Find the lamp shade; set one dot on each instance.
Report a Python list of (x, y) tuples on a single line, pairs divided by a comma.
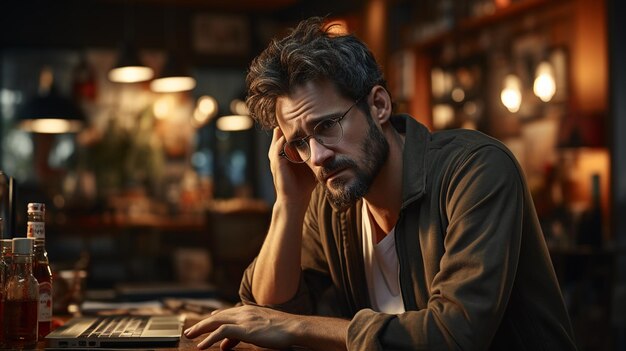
[(128, 68), (234, 123), (49, 112), (173, 78)]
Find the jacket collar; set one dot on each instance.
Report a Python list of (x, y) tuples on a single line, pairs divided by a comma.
[(416, 141)]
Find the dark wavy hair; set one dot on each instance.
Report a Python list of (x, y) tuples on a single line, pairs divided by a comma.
[(310, 52)]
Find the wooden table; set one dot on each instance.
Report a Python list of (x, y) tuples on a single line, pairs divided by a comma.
[(190, 344)]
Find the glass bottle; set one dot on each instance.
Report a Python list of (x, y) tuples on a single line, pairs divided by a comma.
[(6, 250), (591, 226), (41, 267), (6, 258), (21, 299)]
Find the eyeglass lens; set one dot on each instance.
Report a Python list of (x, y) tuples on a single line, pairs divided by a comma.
[(327, 132)]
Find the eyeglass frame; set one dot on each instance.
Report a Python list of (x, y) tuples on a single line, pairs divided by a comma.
[(305, 139)]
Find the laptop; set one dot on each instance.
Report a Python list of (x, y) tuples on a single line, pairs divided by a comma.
[(122, 331)]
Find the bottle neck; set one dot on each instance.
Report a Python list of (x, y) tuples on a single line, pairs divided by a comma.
[(40, 255), (36, 226), (22, 264)]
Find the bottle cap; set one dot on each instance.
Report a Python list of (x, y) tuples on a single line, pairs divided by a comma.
[(36, 207), (23, 246)]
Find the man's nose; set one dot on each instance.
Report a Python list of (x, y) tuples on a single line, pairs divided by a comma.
[(319, 152)]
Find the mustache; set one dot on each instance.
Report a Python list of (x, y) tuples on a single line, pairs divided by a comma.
[(333, 166)]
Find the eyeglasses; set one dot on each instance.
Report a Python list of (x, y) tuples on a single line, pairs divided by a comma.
[(326, 132)]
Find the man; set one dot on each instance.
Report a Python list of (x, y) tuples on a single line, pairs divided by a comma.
[(383, 235)]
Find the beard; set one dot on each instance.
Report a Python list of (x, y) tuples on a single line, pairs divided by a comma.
[(343, 193)]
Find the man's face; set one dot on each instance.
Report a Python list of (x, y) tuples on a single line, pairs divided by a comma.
[(348, 168)]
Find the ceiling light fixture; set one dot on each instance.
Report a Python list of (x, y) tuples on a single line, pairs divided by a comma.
[(544, 85), (48, 111), (128, 67), (240, 120), (173, 78), (511, 94)]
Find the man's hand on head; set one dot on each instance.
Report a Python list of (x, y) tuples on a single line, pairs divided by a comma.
[(294, 182)]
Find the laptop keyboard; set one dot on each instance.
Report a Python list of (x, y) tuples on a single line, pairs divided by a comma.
[(111, 327)]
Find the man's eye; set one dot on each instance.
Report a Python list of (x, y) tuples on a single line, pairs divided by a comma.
[(327, 124), (299, 144)]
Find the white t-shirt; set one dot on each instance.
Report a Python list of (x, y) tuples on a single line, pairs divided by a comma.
[(382, 270)]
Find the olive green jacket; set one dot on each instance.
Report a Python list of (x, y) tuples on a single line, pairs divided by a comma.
[(475, 272)]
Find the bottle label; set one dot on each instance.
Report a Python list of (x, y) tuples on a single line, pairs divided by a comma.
[(45, 302), (36, 230)]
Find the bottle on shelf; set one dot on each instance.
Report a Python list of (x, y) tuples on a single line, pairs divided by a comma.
[(36, 230), (21, 299), (591, 223)]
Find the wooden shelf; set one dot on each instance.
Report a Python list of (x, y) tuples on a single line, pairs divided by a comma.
[(468, 25)]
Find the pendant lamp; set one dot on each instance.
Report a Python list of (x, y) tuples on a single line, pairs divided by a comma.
[(48, 111), (544, 85), (173, 78), (240, 120), (511, 94), (128, 67)]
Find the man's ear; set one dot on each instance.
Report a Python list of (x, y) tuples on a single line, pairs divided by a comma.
[(380, 104)]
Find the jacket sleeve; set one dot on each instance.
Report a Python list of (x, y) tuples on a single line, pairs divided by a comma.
[(480, 210), (314, 295)]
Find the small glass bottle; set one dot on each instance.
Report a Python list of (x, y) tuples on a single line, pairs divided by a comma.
[(21, 299), (36, 229)]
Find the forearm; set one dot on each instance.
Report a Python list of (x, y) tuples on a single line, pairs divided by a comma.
[(277, 271), (321, 333)]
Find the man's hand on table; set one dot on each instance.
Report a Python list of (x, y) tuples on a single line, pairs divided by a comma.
[(268, 328)]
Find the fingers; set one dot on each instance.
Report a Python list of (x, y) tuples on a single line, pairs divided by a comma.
[(228, 344), (278, 139), (226, 332), (277, 134), (207, 325), (217, 330)]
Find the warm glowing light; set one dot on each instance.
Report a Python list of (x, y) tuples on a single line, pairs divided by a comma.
[(163, 107), (205, 110), (172, 84), (470, 108), (51, 125), (443, 115), (544, 86), (199, 118), (234, 123), (511, 94), (207, 105), (458, 94), (131, 74), (338, 27), (438, 84), (239, 107)]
